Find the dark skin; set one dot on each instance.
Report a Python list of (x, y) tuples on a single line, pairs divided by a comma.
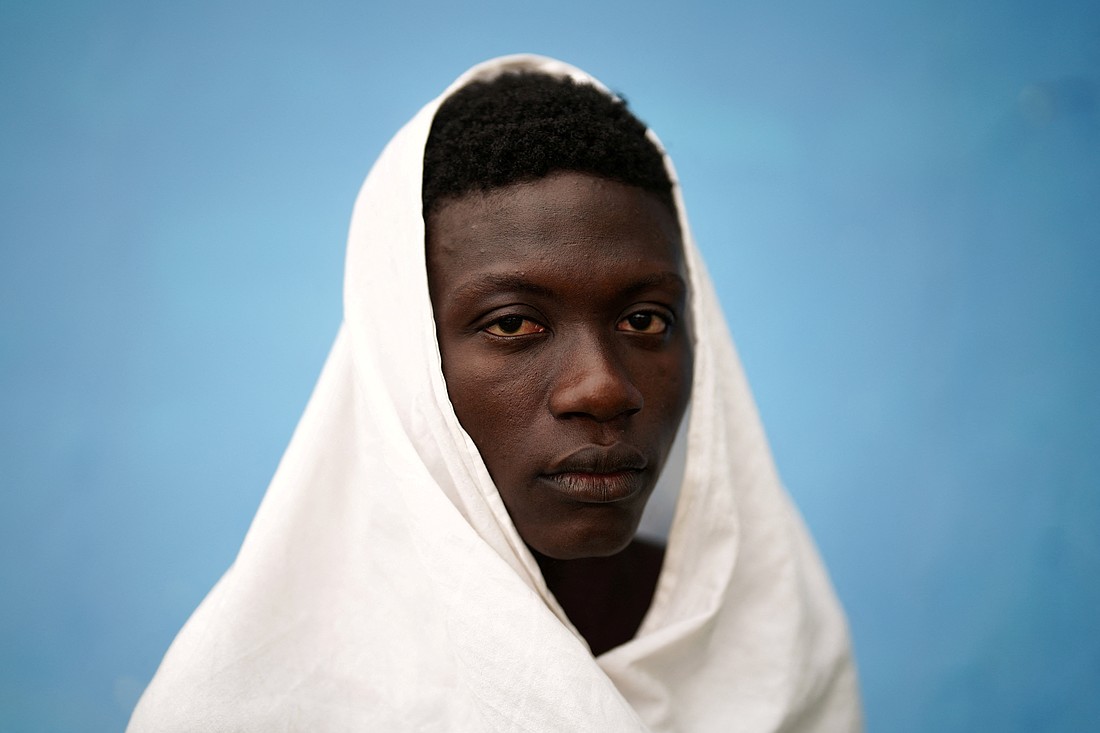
[(561, 316), (606, 598)]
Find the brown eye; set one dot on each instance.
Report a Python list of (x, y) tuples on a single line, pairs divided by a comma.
[(646, 322), (514, 326)]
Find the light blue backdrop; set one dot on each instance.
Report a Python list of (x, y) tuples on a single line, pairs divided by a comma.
[(898, 200)]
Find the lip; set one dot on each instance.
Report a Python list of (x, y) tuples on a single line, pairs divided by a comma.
[(598, 488), (599, 474)]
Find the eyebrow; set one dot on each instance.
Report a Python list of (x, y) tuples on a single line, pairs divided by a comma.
[(657, 280), (492, 283)]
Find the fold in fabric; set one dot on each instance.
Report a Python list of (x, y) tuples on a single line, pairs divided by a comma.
[(383, 587)]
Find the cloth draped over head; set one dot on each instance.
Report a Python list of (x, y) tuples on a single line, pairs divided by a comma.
[(383, 587)]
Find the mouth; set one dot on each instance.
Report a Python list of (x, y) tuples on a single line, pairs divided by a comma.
[(599, 475)]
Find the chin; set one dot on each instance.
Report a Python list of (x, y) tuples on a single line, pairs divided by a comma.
[(587, 537)]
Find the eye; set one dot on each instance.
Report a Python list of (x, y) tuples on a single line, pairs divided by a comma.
[(514, 326), (646, 322)]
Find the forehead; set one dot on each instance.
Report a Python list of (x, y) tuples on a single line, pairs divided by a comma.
[(567, 225)]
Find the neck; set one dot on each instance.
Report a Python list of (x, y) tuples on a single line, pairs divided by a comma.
[(606, 598)]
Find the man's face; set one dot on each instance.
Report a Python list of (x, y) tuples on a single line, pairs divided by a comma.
[(561, 312)]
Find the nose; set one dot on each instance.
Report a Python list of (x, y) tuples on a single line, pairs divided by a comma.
[(592, 382)]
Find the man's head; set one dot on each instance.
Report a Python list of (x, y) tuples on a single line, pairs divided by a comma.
[(557, 279)]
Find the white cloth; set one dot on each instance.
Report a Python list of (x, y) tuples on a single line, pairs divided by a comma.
[(382, 586)]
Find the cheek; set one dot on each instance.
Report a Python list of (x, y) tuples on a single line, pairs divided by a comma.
[(684, 378), (667, 387), (496, 400)]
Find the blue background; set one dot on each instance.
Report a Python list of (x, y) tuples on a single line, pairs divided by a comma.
[(898, 200)]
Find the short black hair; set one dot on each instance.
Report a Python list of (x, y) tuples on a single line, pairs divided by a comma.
[(524, 126)]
